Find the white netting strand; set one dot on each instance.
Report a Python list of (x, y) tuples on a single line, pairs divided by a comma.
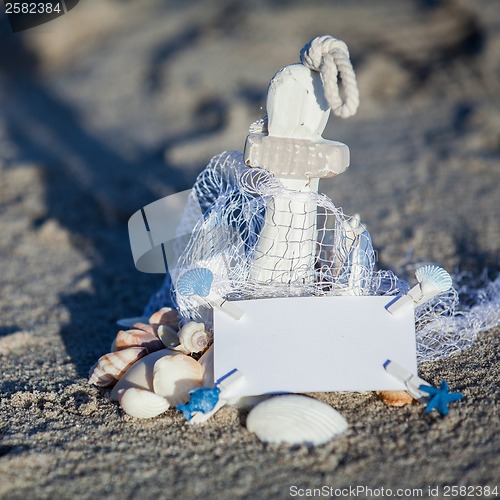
[(260, 239)]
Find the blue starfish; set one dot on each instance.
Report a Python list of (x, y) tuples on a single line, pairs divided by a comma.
[(201, 399), (439, 398)]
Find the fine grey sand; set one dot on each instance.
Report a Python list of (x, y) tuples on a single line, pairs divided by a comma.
[(117, 104)]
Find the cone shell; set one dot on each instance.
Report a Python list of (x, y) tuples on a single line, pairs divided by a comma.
[(175, 376), (137, 338), (294, 419), (433, 280), (140, 403), (195, 282), (111, 367), (165, 316), (192, 337), (141, 374)]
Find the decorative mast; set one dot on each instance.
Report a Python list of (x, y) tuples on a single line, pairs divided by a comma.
[(299, 100)]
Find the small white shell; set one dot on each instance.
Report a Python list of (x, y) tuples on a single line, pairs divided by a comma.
[(111, 367), (192, 338), (141, 374), (295, 419), (175, 376), (140, 403), (196, 281), (433, 280)]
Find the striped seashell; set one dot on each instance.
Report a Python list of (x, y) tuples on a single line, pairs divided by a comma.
[(192, 338), (141, 374), (165, 316), (137, 338), (295, 420), (195, 282), (433, 280), (175, 376), (140, 403), (111, 367)]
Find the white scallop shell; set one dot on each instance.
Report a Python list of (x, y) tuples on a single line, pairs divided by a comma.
[(196, 281), (295, 419), (192, 338), (175, 376), (433, 280), (113, 366), (141, 374), (140, 403)]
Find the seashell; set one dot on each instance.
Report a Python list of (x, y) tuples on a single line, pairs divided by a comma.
[(165, 316), (395, 398), (128, 322), (146, 327), (168, 336), (295, 419), (111, 367), (433, 280), (137, 338), (141, 374), (195, 282), (192, 338), (175, 376), (207, 364), (140, 403)]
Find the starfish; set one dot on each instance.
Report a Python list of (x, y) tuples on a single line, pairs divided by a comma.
[(439, 398), (201, 399)]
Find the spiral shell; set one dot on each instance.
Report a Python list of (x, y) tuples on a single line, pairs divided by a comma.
[(433, 280), (195, 282), (295, 420), (140, 403), (192, 338), (111, 367), (175, 376)]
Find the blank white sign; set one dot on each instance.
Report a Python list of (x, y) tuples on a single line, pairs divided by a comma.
[(314, 344)]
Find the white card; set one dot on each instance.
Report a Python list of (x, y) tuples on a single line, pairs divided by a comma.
[(314, 344)]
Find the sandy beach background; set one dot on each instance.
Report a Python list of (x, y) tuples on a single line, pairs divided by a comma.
[(117, 104)]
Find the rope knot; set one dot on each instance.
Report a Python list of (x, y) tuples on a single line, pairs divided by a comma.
[(330, 57)]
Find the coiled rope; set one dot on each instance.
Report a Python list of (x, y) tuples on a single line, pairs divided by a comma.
[(330, 57)]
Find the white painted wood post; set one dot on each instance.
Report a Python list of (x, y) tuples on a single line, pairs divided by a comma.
[(296, 153)]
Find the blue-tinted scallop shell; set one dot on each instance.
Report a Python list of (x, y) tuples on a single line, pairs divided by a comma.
[(195, 282), (433, 280)]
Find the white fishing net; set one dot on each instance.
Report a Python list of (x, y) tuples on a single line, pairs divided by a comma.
[(248, 214)]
